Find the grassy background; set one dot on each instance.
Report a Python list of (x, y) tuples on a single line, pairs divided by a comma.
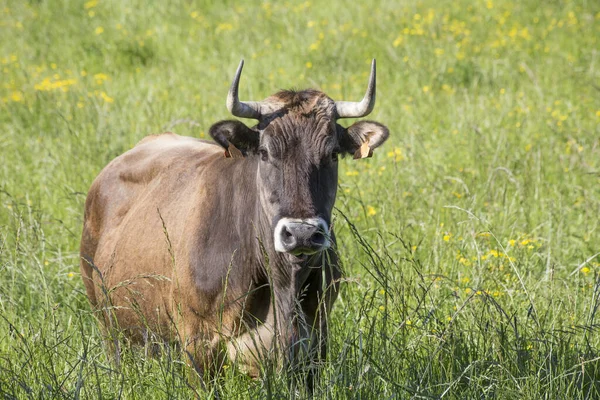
[(469, 241)]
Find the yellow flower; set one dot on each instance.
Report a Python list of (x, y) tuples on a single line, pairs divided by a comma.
[(47, 85), (398, 41), (17, 97), (396, 154), (447, 237), (585, 270), (99, 30), (100, 78), (381, 308), (426, 89), (408, 322), (106, 98), (308, 64), (225, 26), (371, 211), (352, 173), (90, 4), (71, 274)]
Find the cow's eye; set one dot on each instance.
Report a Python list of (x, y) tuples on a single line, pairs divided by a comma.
[(334, 156), (264, 155)]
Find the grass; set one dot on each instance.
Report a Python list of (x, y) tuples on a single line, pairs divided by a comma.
[(469, 241)]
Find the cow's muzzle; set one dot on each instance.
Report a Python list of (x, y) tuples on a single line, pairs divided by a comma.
[(301, 236)]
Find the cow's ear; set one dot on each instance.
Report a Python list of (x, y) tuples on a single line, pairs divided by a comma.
[(236, 138), (360, 138)]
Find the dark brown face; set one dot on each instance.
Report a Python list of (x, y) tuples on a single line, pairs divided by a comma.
[(298, 153), (297, 148)]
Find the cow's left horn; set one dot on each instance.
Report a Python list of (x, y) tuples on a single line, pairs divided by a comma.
[(352, 109), (249, 109)]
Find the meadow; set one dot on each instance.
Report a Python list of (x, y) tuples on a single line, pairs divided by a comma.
[(470, 242)]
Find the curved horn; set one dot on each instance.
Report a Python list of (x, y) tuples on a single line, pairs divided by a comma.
[(249, 109), (351, 109)]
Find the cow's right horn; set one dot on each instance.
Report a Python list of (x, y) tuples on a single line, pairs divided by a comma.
[(351, 109), (249, 109)]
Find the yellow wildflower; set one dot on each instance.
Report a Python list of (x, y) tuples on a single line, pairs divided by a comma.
[(17, 97), (100, 78), (99, 30), (585, 270), (106, 98), (371, 211), (90, 4), (225, 26)]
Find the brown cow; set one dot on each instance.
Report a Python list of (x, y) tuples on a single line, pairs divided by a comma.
[(232, 255)]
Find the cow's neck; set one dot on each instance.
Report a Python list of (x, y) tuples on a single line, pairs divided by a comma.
[(285, 278)]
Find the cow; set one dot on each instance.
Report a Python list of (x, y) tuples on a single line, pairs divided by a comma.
[(226, 246)]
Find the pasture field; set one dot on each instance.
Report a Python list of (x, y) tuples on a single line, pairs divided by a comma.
[(470, 241)]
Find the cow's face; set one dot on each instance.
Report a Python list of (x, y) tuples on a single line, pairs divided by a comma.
[(296, 144), (298, 156)]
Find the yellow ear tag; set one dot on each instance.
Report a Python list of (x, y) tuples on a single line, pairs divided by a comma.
[(364, 151), (233, 152)]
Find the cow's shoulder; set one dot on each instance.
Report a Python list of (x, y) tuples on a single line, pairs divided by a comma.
[(157, 166)]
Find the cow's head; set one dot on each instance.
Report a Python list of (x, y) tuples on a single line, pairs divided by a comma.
[(297, 142)]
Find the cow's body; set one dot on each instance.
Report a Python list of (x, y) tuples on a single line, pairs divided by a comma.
[(173, 227), (228, 255)]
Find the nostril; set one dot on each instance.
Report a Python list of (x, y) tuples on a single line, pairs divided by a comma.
[(287, 237), (318, 238)]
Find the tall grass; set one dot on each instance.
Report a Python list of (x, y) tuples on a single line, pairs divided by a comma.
[(469, 241)]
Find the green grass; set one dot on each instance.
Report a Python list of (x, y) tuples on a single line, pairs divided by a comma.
[(469, 241)]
